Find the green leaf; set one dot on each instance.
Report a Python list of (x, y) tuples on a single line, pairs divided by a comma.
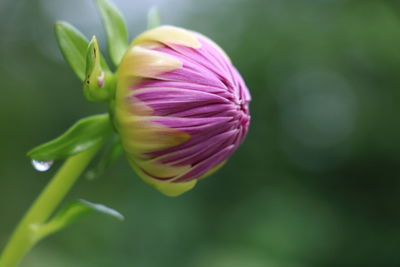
[(110, 154), (73, 45), (83, 135), (153, 18), (117, 34), (71, 213)]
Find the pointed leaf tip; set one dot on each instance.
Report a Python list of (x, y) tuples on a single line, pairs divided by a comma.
[(102, 209)]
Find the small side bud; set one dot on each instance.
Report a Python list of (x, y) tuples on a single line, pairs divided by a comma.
[(98, 85)]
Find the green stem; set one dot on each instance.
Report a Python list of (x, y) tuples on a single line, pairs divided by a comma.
[(24, 236)]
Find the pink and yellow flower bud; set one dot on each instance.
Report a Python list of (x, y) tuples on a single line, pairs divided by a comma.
[(181, 108)]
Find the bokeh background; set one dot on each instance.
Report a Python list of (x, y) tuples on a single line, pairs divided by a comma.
[(315, 184)]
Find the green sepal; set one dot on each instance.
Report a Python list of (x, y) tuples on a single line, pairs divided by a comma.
[(99, 83), (84, 134), (109, 155), (73, 45), (116, 31), (153, 18), (71, 213)]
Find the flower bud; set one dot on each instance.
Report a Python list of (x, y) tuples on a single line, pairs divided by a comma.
[(181, 108)]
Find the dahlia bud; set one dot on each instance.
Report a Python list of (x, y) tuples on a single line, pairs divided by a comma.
[(181, 108)]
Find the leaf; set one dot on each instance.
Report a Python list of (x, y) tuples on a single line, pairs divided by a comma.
[(73, 45), (153, 18), (71, 213), (117, 34), (83, 135), (110, 154)]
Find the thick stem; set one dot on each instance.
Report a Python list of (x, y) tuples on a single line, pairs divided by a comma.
[(24, 236)]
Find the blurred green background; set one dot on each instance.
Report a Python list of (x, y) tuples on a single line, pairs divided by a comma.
[(315, 184)]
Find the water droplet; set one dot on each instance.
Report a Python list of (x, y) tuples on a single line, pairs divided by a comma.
[(42, 166)]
